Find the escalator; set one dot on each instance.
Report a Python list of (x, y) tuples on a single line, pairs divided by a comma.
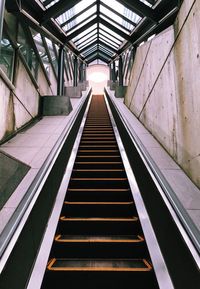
[(99, 241)]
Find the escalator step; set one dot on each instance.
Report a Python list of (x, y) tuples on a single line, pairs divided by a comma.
[(99, 239), (128, 265)]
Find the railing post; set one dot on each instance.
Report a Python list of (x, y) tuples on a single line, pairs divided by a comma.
[(60, 86)]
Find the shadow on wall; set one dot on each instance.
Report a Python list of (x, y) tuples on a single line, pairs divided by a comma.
[(98, 74)]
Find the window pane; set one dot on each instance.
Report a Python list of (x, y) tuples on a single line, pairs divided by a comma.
[(7, 53), (41, 49), (52, 54), (27, 51)]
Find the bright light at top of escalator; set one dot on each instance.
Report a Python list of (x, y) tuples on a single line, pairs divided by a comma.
[(98, 77)]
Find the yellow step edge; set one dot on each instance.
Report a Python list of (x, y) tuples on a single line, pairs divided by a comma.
[(102, 269), (96, 240)]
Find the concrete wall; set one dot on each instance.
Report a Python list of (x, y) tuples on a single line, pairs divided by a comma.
[(164, 88)]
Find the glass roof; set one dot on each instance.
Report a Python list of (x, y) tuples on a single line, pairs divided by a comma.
[(98, 27)]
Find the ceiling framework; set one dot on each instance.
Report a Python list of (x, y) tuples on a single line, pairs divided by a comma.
[(97, 29)]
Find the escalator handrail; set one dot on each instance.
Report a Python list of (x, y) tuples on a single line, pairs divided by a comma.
[(186, 221), (17, 221)]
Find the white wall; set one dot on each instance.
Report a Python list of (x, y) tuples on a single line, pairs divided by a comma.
[(164, 88)]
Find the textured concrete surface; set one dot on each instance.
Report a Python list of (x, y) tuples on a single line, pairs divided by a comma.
[(187, 192), (120, 91), (56, 105), (164, 88), (73, 92), (12, 172), (7, 119), (32, 146)]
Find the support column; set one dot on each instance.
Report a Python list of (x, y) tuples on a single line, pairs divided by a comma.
[(120, 89), (2, 9), (60, 86), (110, 70), (75, 71), (120, 71), (113, 72), (81, 72)]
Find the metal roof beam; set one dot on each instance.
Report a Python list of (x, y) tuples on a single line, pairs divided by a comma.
[(98, 57), (140, 8)]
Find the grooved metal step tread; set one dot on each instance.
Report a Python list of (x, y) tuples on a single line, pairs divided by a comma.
[(98, 170), (99, 190), (99, 179), (64, 218), (98, 203), (133, 265), (99, 156), (102, 163), (98, 151), (99, 239)]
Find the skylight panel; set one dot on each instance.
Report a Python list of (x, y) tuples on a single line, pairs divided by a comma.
[(83, 16), (114, 24), (110, 37), (85, 33), (121, 9), (110, 31), (115, 17)]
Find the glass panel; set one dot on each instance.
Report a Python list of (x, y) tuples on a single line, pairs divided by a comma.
[(109, 42), (92, 39), (111, 32), (85, 33), (74, 10), (83, 16), (121, 9), (50, 4), (115, 17), (86, 37), (7, 54), (93, 48), (110, 37), (82, 24), (27, 51), (105, 50), (52, 54), (146, 2), (114, 24), (41, 49)]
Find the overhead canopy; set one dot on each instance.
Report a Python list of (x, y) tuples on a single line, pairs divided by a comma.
[(98, 28)]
